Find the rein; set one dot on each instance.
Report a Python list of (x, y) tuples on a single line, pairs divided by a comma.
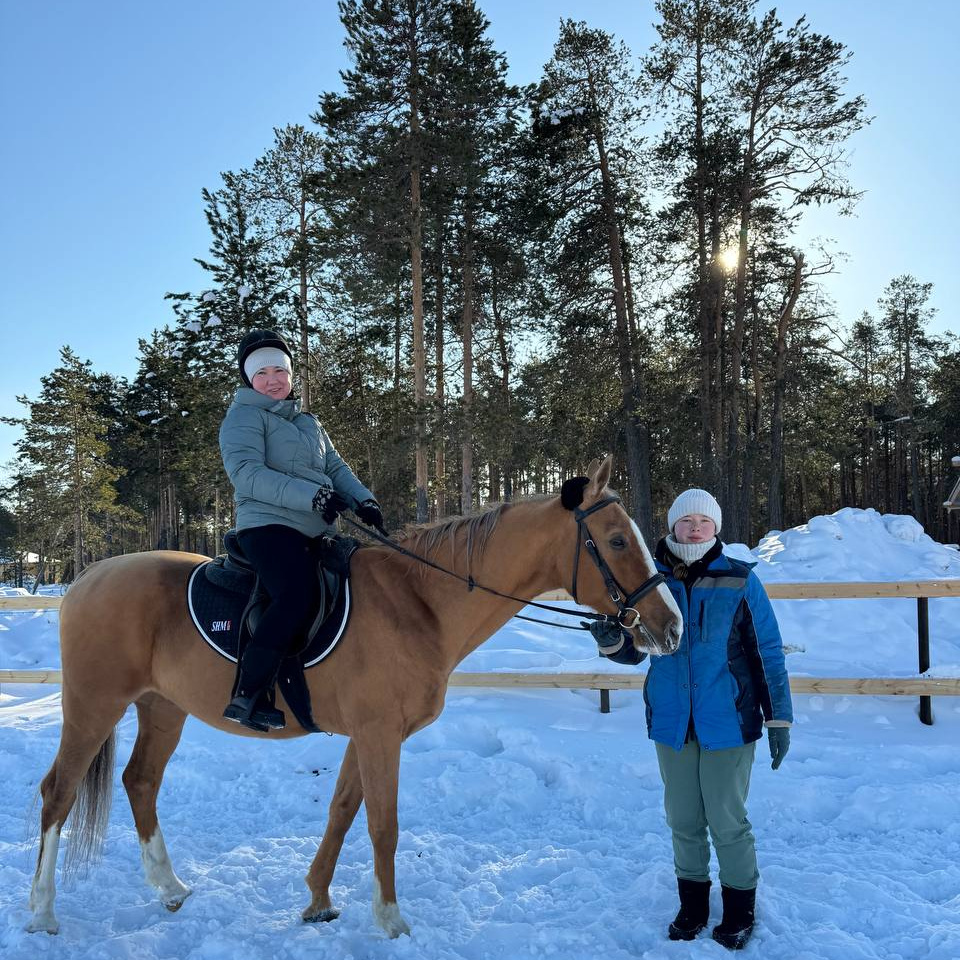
[(624, 606)]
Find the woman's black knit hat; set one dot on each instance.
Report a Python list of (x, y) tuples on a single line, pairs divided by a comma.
[(256, 339)]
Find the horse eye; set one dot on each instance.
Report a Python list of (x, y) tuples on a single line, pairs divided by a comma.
[(618, 543)]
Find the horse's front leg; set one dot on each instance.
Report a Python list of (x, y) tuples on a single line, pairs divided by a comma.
[(344, 804), (379, 757)]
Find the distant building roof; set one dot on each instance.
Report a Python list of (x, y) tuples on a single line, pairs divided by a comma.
[(27, 558)]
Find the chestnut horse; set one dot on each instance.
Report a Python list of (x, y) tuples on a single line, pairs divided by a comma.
[(126, 637)]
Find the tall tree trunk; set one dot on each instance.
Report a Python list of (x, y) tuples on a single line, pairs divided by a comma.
[(775, 491), (440, 435), (915, 492), (707, 413), (752, 418), (636, 432), (506, 445), (398, 499), (416, 268), (78, 501), (715, 292), (302, 312), (467, 323), (732, 467)]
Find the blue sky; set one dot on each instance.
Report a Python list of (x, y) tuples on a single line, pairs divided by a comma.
[(116, 115)]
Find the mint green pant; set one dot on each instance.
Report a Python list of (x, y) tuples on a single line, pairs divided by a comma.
[(708, 789)]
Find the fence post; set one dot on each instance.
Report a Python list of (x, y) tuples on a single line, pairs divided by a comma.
[(604, 701), (923, 650)]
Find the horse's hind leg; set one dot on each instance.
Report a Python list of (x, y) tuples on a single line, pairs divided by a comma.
[(82, 772), (160, 725), (344, 805)]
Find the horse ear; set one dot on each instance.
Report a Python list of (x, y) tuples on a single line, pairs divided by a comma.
[(600, 478), (571, 493), (593, 468)]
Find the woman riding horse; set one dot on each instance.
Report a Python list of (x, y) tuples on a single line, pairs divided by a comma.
[(290, 486)]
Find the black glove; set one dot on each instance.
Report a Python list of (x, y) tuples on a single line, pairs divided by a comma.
[(779, 738), (370, 513), (329, 504), (610, 637)]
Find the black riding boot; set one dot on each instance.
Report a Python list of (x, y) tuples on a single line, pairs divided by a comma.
[(735, 928), (250, 705), (694, 909)]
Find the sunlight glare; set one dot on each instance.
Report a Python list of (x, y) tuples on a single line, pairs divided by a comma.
[(730, 258)]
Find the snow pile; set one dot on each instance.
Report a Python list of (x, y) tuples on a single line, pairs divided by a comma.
[(854, 544), (7, 591)]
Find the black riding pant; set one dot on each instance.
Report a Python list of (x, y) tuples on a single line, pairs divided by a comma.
[(285, 561)]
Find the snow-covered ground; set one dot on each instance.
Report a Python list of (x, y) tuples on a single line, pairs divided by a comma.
[(530, 823)]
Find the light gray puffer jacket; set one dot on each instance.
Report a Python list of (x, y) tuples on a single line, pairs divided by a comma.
[(277, 457)]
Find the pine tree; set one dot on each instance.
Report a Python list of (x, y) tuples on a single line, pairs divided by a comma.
[(64, 451), (588, 112), (470, 130), (376, 127), (689, 67), (904, 317)]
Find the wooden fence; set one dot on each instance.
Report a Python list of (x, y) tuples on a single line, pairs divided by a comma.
[(923, 687)]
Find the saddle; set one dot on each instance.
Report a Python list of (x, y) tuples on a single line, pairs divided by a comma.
[(226, 602)]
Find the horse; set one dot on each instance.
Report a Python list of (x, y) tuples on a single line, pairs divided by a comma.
[(126, 637)]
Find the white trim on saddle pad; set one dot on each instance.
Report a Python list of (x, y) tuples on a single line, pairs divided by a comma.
[(326, 652)]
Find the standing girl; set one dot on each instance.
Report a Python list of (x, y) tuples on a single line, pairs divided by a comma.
[(707, 705)]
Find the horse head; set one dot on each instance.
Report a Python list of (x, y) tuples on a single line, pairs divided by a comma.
[(612, 569)]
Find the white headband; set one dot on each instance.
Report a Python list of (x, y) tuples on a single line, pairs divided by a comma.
[(266, 357)]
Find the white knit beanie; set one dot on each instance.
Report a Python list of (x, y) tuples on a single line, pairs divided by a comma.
[(694, 501), (266, 357)]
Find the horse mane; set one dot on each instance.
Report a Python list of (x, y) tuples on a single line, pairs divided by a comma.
[(468, 534)]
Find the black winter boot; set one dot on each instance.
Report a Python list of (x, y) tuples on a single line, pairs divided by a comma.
[(735, 928), (694, 909), (251, 705)]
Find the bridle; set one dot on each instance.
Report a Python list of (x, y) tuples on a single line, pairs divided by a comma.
[(624, 601)]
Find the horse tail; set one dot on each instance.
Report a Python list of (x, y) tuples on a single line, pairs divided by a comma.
[(92, 807)]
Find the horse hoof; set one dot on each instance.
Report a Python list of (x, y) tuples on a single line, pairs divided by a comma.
[(43, 924), (391, 922), (174, 905), (321, 916), (394, 930)]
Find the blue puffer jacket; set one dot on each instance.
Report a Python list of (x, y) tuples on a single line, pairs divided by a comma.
[(277, 457), (729, 673)]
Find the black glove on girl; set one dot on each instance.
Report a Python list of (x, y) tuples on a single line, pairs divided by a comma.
[(370, 513)]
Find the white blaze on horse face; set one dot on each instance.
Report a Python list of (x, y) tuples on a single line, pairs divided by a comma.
[(44, 889), (663, 591), (159, 872), (387, 915)]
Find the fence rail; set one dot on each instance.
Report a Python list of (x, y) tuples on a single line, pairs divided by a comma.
[(870, 686), (920, 590), (30, 603)]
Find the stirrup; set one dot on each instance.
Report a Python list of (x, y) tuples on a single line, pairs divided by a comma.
[(243, 710), (271, 716)]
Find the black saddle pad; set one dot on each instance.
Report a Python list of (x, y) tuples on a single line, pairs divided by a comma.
[(217, 612)]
